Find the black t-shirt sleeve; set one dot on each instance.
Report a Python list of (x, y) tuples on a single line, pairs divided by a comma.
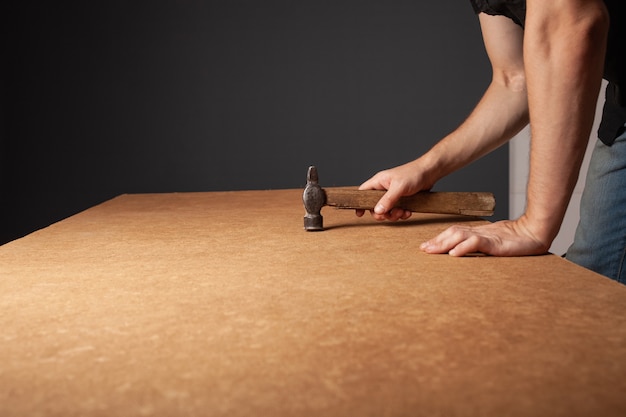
[(475, 6), (513, 9)]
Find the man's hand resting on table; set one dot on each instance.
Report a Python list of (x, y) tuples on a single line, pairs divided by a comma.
[(503, 238)]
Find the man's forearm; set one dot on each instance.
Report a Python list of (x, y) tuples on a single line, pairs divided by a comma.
[(501, 114)]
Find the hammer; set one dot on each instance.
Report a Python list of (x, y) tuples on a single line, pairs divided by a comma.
[(315, 197)]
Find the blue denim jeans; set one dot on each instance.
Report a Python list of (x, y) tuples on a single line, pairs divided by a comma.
[(600, 240)]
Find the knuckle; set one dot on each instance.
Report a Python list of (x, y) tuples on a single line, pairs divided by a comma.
[(473, 240), (458, 233)]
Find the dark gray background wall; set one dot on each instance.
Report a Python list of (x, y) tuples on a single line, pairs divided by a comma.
[(109, 97)]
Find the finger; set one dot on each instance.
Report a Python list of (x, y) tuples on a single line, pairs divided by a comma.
[(446, 240), (471, 244), (372, 184), (392, 215), (359, 212), (397, 213)]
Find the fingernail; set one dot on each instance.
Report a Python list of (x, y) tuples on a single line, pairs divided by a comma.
[(425, 245), (379, 209)]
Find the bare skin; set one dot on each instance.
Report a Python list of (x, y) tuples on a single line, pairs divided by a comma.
[(548, 74)]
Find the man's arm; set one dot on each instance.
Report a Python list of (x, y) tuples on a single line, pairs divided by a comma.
[(500, 114), (564, 47)]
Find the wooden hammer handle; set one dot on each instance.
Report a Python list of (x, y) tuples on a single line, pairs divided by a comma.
[(465, 203)]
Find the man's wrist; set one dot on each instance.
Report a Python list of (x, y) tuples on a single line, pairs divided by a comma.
[(541, 230), (429, 167)]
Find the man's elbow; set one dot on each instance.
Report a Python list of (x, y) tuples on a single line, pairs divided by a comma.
[(573, 21), (594, 24), (513, 80)]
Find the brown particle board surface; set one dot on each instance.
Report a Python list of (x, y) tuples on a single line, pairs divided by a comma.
[(203, 304)]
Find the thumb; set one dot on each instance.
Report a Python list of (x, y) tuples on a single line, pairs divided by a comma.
[(387, 201)]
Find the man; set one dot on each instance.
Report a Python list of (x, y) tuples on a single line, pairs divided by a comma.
[(548, 60)]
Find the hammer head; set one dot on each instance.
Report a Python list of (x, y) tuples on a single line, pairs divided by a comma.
[(314, 199)]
